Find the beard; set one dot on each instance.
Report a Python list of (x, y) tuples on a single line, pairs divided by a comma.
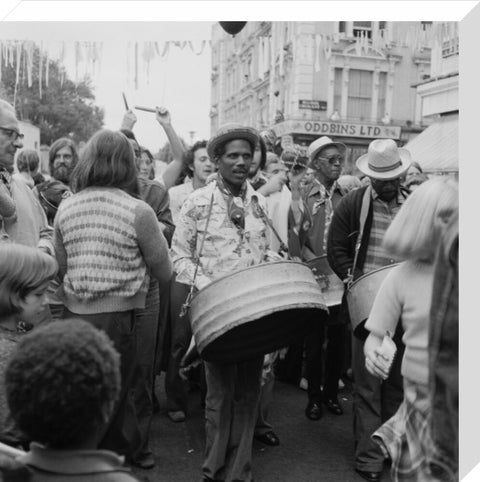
[(62, 173)]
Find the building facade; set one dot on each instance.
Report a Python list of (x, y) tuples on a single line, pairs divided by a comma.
[(436, 148), (352, 81)]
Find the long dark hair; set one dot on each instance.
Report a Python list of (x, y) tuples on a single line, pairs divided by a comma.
[(107, 160), (60, 144)]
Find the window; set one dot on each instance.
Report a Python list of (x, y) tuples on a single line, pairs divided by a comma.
[(359, 94), (337, 90), (450, 47), (382, 91), (362, 27)]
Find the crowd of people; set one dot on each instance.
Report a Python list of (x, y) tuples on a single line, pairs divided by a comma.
[(100, 257)]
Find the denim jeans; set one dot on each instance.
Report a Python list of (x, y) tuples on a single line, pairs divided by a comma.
[(146, 326)]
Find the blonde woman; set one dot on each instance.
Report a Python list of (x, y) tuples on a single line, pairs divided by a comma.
[(405, 296)]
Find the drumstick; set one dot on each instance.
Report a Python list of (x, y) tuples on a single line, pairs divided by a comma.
[(161, 110), (283, 247), (125, 100)]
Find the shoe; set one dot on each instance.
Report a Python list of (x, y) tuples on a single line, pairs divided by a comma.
[(144, 461), (370, 476), (313, 411), (177, 416), (268, 438), (333, 406)]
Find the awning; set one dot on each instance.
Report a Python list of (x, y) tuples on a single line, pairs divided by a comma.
[(436, 148)]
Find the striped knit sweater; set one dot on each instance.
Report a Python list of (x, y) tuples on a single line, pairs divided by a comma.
[(106, 240)]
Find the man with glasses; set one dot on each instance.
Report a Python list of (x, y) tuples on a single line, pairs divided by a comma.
[(22, 219), (312, 211), (355, 249)]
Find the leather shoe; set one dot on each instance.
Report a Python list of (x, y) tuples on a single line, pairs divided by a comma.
[(144, 461), (313, 411), (370, 476), (333, 406), (268, 438)]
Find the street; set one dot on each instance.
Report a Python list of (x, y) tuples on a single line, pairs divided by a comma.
[(309, 451)]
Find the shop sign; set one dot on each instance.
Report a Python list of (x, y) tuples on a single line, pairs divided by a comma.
[(312, 104), (320, 128)]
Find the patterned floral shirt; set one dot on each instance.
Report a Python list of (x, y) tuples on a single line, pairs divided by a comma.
[(226, 248)]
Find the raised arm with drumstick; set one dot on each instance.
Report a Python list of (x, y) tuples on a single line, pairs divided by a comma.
[(174, 168)]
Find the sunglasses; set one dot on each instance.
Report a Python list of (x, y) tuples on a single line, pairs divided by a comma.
[(12, 134), (332, 159)]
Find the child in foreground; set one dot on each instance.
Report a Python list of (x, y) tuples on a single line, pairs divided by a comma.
[(62, 384), (24, 276)]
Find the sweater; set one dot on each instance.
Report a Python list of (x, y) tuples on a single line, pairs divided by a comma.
[(105, 241), (405, 295)]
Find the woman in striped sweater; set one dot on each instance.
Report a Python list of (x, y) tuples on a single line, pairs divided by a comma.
[(107, 241)]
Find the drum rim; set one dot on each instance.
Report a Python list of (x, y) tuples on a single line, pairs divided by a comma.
[(248, 268), (389, 266)]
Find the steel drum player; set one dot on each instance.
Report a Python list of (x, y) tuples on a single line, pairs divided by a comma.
[(354, 248), (220, 226), (312, 214)]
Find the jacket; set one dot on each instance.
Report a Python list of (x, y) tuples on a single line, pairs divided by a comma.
[(344, 230)]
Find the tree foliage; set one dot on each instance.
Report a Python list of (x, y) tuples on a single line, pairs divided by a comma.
[(64, 109)]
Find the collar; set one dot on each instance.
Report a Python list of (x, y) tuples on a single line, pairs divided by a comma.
[(318, 188), (71, 461)]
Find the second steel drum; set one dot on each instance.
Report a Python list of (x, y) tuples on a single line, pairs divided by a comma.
[(362, 293), (255, 311)]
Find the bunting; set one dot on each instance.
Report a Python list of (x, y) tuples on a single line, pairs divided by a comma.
[(140, 56), (318, 50), (40, 67)]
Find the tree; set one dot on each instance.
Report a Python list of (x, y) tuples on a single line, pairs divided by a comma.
[(64, 109)]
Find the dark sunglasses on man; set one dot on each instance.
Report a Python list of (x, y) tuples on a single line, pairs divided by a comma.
[(12, 134), (332, 159)]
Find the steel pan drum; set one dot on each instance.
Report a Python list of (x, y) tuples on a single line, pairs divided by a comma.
[(255, 311), (331, 285), (361, 294)]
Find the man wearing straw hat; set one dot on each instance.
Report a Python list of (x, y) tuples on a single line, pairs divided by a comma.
[(354, 249), (312, 213), (218, 232)]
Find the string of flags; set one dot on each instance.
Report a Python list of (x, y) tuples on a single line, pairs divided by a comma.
[(87, 57)]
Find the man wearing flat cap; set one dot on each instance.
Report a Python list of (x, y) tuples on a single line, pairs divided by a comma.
[(312, 211), (219, 227), (355, 249)]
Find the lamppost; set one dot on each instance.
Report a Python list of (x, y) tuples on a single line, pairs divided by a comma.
[(192, 133)]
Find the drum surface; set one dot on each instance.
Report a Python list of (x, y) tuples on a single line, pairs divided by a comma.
[(361, 294), (331, 285), (255, 311)]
